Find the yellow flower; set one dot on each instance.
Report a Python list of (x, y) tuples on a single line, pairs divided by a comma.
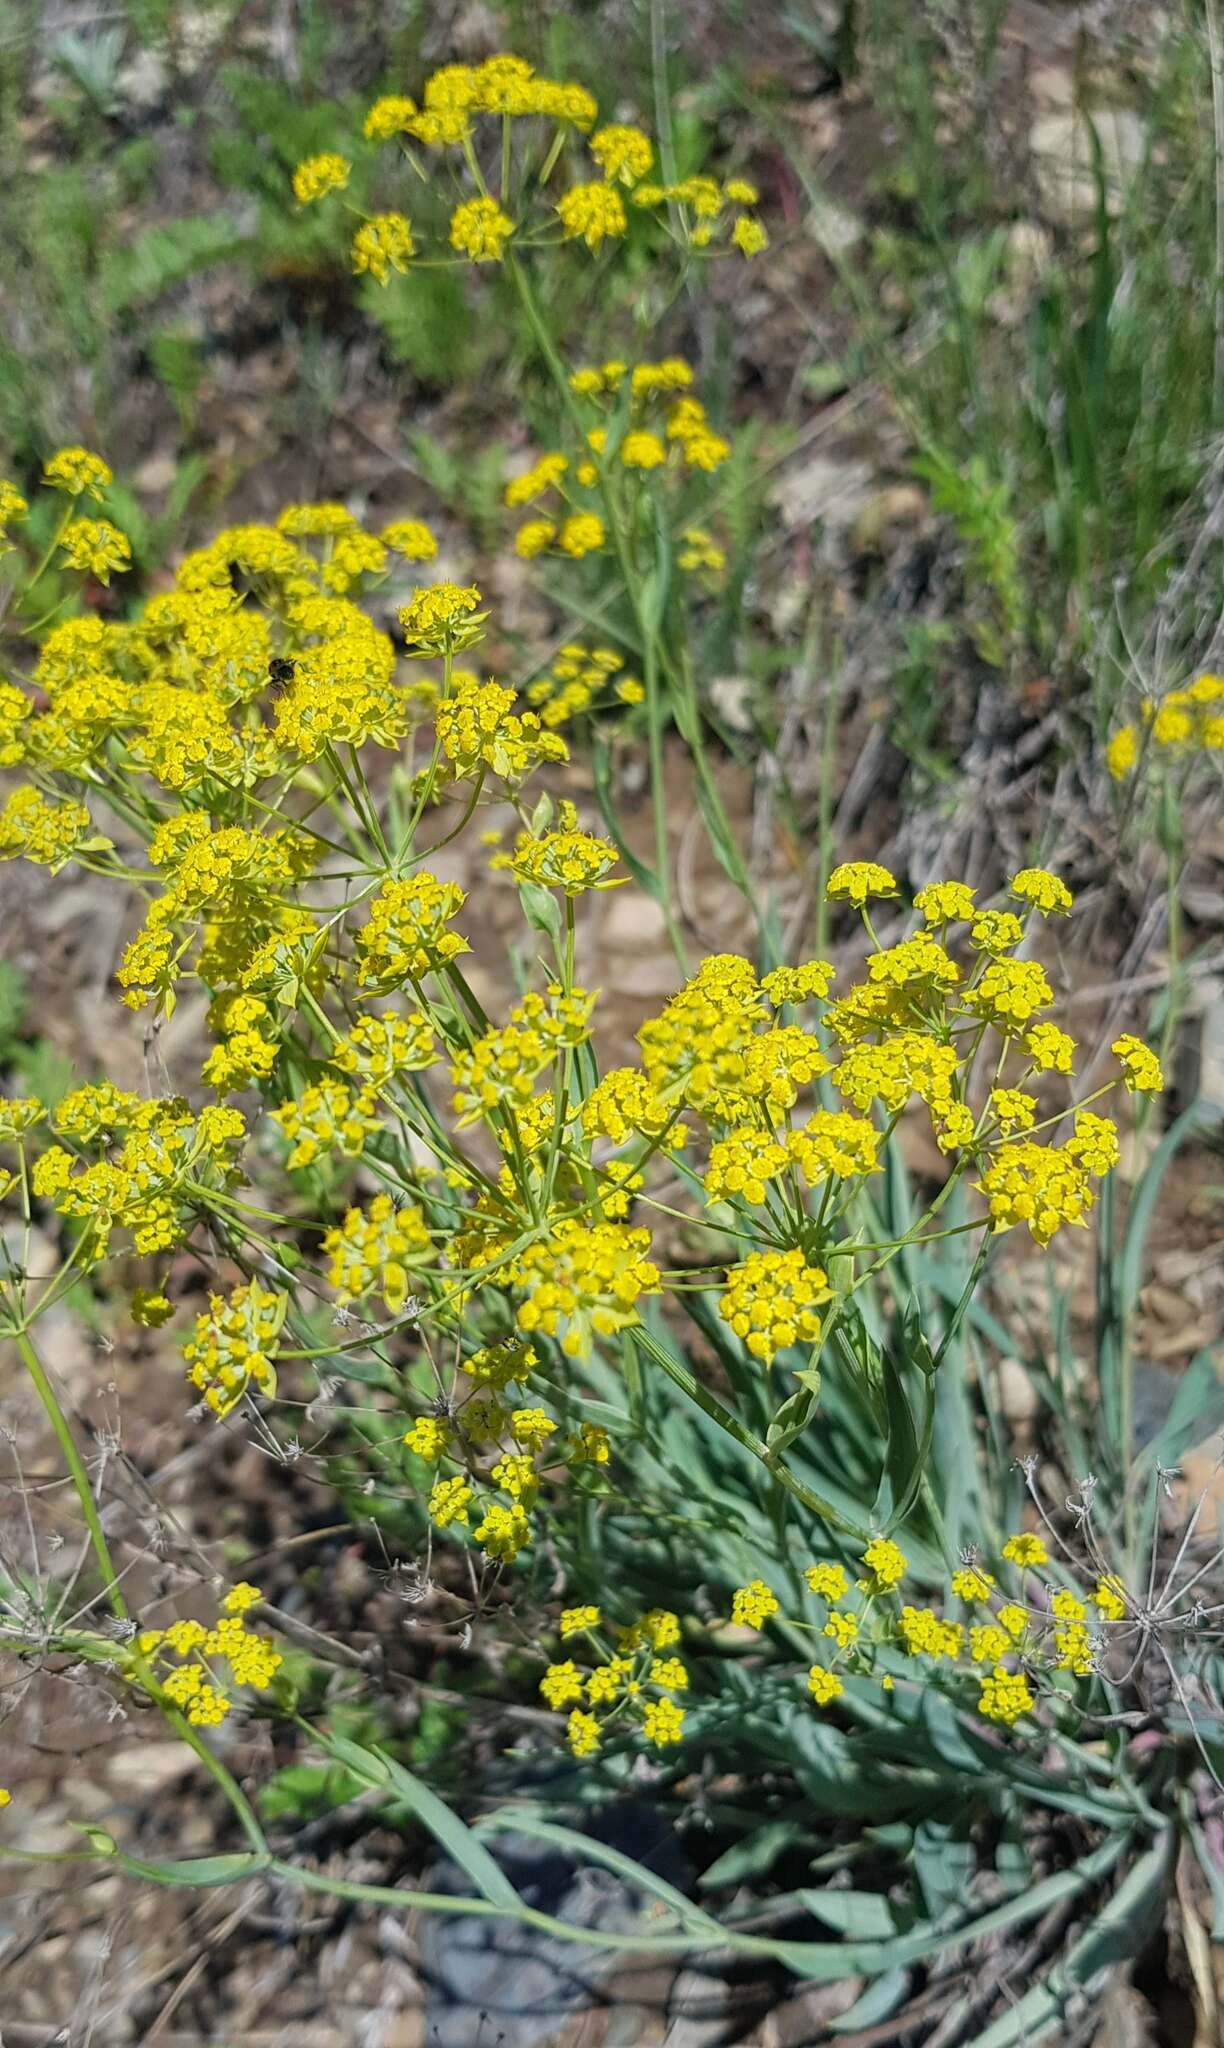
[(543, 476), (924, 1635), (770, 1301), (856, 880), (5, 1796), (582, 1733), (234, 1346), (1042, 1186), (799, 984), (1049, 1049), (752, 1605), (1094, 1143), (583, 534), (562, 1684), (533, 537), (480, 230), (1122, 752), (1014, 1619), (663, 1723), (1013, 1108), (622, 153), (592, 213), (996, 931), (1009, 993), (410, 538), (449, 1502), (827, 1581), (1026, 1551), (96, 548), (584, 1281), (387, 118), (576, 1620), (886, 1563), (742, 1164), (503, 1532), (972, 1585), (749, 236), (823, 1685), (1004, 1696), (1142, 1070), (440, 615), (316, 176), (382, 245), (946, 903), (842, 1629), (669, 1672), (76, 471), (1067, 1606), (428, 1438), (1046, 892), (570, 860), (1108, 1599), (149, 1309), (642, 451)]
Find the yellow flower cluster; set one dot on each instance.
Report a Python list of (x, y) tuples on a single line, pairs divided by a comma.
[(183, 1658), (1184, 724), (591, 210), (373, 1249), (770, 1302), (144, 1167), (479, 731), (664, 429), (501, 1068), (405, 937), (235, 1344), (632, 1688), (584, 1281), (575, 682), (1043, 1635)]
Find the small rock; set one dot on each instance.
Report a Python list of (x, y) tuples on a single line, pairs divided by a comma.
[(1062, 147), (732, 697), (145, 80), (886, 515), (632, 920), (150, 1767), (156, 473), (835, 227), (1210, 1089), (1018, 1397), (820, 487)]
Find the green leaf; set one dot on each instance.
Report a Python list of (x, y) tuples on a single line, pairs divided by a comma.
[(878, 2002), (198, 1870), (864, 1916), (541, 909), (524, 1820), (753, 1856), (165, 256), (1214, 1876), (1115, 1936), (1197, 1410), (601, 764), (792, 1418), (375, 1767)]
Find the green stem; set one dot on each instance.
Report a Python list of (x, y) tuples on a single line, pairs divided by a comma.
[(76, 1467), (710, 1405)]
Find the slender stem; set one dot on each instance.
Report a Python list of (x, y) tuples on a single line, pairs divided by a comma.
[(710, 1405), (76, 1467), (229, 1785)]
